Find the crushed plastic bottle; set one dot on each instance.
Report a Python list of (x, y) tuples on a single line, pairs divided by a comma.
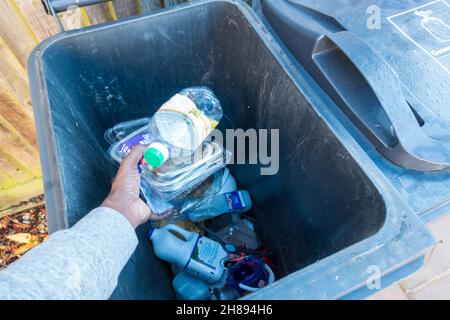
[(207, 189), (177, 129), (220, 183), (230, 202), (177, 159)]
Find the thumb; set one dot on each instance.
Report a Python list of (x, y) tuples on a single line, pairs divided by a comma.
[(133, 158)]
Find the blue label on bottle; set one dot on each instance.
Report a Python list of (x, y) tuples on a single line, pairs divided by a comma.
[(235, 203)]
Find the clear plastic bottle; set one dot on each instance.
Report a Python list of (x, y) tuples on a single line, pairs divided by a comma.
[(183, 123), (220, 183), (230, 202), (178, 157), (176, 130)]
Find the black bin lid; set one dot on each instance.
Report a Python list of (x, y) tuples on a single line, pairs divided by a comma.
[(385, 63)]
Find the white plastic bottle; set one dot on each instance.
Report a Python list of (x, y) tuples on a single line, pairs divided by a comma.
[(198, 255)]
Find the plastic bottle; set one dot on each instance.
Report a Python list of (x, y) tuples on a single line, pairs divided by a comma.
[(198, 255), (236, 231), (174, 135), (230, 202), (176, 130), (188, 287), (220, 183), (183, 123)]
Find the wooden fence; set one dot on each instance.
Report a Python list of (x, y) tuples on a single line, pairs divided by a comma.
[(24, 24)]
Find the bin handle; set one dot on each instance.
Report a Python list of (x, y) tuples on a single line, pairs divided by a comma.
[(426, 154), (53, 7)]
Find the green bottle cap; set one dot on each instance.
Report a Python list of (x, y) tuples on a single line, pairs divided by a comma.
[(156, 155)]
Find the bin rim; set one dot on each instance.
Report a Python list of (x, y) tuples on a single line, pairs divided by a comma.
[(402, 238)]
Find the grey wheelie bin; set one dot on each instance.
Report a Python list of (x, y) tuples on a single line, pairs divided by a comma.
[(330, 216), (386, 67)]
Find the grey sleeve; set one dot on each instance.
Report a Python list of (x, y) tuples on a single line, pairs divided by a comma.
[(82, 262)]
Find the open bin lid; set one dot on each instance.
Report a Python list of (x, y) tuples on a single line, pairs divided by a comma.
[(385, 63)]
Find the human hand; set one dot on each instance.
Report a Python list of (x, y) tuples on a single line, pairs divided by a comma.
[(124, 195)]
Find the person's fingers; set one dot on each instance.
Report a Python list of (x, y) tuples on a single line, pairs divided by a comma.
[(133, 158), (154, 217)]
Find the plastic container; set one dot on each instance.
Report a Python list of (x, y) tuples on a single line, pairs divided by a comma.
[(230, 202), (177, 128), (198, 255), (188, 287), (236, 231), (122, 130), (187, 119), (249, 275), (172, 181), (217, 184), (327, 215), (178, 170), (176, 176), (177, 158)]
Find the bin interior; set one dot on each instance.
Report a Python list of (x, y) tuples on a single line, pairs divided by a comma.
[(319, 202)]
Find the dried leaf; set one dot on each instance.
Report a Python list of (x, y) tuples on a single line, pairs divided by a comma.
[(25, 247), (20, 237), (20, 226), (4, 223)]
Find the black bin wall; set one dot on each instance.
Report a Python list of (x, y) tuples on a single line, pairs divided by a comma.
[(320, 201)]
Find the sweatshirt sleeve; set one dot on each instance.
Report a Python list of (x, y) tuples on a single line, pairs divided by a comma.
[(83, 262)]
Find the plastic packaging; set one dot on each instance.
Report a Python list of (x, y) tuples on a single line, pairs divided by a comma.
[(188, 287), (219, 183), (186, 190), (236, 231), (168, 170), (230, 202), (124, 129), (177, 177), (179, 174), (189, 117), (175, 206), (198, 255), (177, 129)]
